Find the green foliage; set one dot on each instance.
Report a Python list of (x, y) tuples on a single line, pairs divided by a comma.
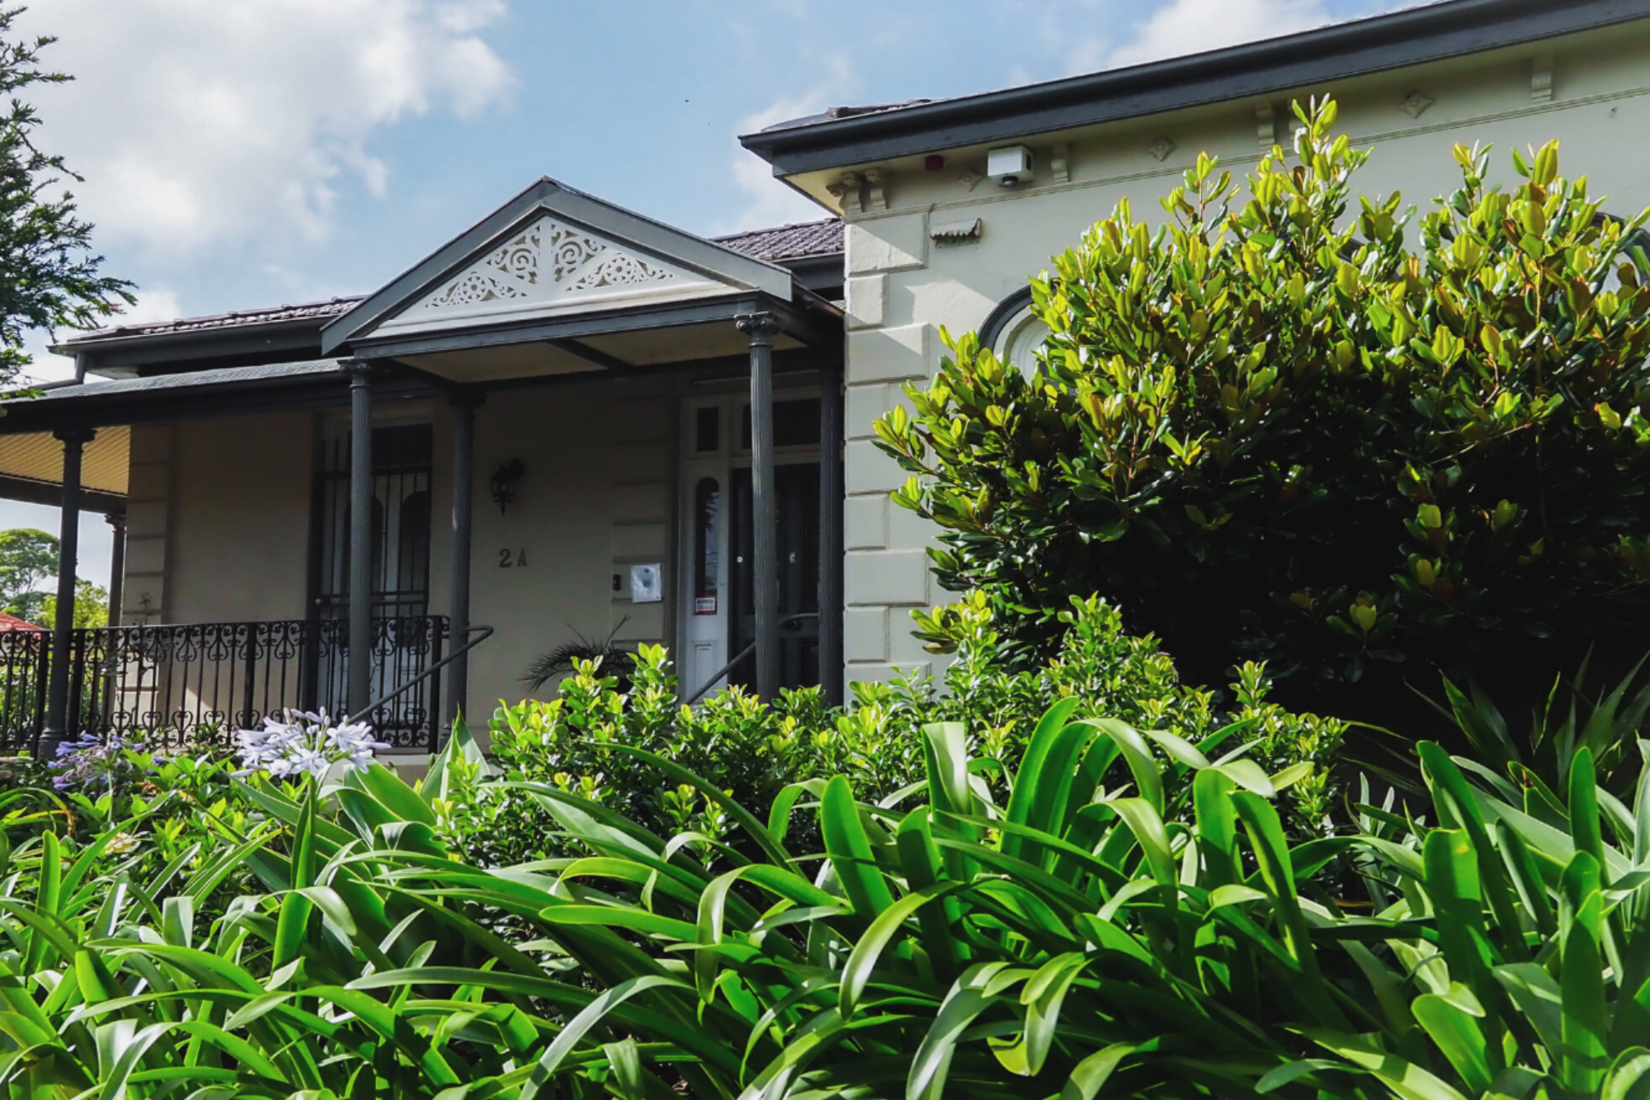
[(1073, 940), (579, 741), (1269, 429), (1542, 753), (48, 275), (91, 606), (28, 572)]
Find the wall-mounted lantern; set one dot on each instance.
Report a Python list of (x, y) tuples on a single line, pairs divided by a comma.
[(504, 482)]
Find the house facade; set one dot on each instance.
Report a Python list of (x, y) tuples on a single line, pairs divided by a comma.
[(933, 239), (573, 421)]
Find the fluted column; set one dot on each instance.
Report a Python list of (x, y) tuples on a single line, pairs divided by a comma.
[(760, 329), (57, 697)]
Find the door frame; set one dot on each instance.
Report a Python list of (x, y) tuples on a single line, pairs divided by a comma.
[(702, 640)]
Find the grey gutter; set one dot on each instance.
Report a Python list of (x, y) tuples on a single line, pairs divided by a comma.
[(1378, 44), (167, 397)]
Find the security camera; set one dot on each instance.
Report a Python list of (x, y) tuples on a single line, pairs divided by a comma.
[(1009, 166)]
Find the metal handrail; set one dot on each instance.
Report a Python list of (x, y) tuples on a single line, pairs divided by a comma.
[(743, 653), (437, 667)]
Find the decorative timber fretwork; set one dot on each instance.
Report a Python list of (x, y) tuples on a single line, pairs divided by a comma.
[(547, 261)]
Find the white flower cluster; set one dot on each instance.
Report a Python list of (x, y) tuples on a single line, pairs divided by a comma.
[(305, 744)]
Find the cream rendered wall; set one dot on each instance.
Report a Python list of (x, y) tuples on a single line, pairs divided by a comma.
[(220, 518), (596, 497), (902, 286), (238, 531)]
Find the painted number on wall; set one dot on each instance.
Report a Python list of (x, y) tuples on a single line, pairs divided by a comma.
[(512, 559)]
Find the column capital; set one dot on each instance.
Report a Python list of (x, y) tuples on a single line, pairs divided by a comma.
[(117, 520), (75, 435), (357, 369), (761, 328), (466, 397)]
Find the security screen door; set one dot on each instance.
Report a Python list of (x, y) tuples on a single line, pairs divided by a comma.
[(401, 463)]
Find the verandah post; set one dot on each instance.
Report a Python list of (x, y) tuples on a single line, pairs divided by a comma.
[(57, 699), (359, 692), (830, 533), (760, 329), (464, 404)]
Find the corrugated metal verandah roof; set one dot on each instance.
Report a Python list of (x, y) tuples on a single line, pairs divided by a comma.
[(786, 242)]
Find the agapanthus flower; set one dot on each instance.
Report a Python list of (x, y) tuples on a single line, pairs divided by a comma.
[(304, 743), (94, 763)]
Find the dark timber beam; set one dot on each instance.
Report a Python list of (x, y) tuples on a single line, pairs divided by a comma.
[(759, 330), (51, 493), (593, 355)]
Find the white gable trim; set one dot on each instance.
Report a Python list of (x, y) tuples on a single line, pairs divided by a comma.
[(547, 267)]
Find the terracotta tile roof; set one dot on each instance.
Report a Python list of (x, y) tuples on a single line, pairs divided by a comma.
[(240, 318), (12, 622), (788, 242)]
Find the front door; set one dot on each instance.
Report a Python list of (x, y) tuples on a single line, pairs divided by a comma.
[(796, 492), (717, 608)]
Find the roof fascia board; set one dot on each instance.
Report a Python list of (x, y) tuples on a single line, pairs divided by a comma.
[(1383, 43), (143, 351), (96, 410), (817, 273), (799, 320), (802, 320)]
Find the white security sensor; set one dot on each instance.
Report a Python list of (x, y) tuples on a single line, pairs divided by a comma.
[(1009, 166)]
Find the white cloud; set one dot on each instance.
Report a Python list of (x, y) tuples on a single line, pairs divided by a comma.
[(1192, 26), (771, 202), (198, 122)]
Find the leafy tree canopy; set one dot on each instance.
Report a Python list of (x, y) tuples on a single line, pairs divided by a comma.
[(91, 606), (1270, 429), (28, 573), (49, 276)]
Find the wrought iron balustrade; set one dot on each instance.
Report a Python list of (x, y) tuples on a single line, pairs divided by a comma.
[(206, 680)]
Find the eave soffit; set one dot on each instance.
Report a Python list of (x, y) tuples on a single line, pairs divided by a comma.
[(553, 251)]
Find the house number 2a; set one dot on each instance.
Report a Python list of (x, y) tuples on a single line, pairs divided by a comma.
[(516, 559)]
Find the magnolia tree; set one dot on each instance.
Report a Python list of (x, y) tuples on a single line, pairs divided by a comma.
[(1273, 428)]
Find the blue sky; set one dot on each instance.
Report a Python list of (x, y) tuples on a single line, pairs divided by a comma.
[(242, 153)]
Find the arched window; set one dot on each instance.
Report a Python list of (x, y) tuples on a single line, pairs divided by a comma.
[(1013, 332)]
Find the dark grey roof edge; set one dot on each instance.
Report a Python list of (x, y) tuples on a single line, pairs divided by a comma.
[(188, 380), (1379, 43)]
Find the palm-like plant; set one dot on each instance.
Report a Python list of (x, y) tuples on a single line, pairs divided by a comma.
[(1078, 940)]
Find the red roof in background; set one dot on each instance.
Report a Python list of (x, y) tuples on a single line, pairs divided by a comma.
[(12, 622)]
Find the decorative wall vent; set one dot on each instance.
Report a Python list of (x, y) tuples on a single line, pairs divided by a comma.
[(1161, 148), (958, 232), (1415, 104)]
